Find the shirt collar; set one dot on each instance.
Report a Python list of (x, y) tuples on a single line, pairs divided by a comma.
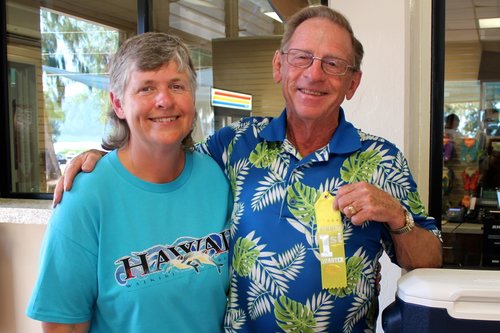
[(346, 138)]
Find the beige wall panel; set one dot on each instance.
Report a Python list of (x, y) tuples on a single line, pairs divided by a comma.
[(17, 276), (245, 65), (462, 61)]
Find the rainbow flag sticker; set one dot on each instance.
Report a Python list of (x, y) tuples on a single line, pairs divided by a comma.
[(230, 99)]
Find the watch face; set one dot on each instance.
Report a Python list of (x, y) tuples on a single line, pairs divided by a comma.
[(409, 225), (409, 219)]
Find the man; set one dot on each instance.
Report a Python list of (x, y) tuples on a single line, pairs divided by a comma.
[(280, 167)]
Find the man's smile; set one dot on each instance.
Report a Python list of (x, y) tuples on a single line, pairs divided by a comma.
[(311, 92)]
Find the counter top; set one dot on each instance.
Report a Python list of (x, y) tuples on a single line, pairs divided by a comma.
[(25, 211), (462, 228), (32, 211)]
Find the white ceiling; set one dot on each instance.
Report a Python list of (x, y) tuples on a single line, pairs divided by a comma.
[(462, 20), (465, 43)]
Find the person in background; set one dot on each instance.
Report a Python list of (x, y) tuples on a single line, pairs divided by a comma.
[(141, 245), (279, 169), (451, 123)]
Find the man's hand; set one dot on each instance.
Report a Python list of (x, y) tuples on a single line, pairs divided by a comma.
[(363, 202), (85, 162)]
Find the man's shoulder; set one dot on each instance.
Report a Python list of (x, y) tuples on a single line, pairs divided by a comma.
[(368, 139), (251, 122), (243, 127)]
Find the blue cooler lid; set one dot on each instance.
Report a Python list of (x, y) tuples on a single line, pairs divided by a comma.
[(465, 294)]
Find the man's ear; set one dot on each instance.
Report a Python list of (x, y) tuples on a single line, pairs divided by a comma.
[(117, 106), (354, 84), (277, 66)]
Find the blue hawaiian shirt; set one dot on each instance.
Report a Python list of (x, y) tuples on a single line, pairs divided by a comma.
[(275, 274)]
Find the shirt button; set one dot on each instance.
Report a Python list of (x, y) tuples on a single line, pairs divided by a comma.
[(293, 201)]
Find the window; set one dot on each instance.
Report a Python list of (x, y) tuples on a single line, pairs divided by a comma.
[(469, 157), (472, 97), (56, 54), (56, 91)]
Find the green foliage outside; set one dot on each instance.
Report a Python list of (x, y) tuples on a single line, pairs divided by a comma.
[(75, 46)]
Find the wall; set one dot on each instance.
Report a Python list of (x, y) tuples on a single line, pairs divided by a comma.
[(22, 225), (19, 247), (232, 59), (393, 98)]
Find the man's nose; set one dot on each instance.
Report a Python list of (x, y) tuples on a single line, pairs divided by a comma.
[(316, 67)]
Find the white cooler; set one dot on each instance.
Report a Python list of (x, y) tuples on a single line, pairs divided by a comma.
[(445, 300)]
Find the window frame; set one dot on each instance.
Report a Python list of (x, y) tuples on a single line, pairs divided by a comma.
[(6, 190), (437, 105)]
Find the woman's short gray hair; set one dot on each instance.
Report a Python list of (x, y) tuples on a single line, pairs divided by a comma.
[(324, 12), (144, 52)]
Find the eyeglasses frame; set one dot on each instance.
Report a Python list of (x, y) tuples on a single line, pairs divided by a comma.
[(313, 57)]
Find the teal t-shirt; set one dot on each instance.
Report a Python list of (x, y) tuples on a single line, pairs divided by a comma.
[(133, 256)]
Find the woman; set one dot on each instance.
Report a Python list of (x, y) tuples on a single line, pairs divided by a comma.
[(141, 244)]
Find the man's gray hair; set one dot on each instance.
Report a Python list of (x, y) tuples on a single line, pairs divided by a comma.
[(324, 12)]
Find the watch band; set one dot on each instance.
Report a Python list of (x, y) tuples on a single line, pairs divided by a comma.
[(409, 225)]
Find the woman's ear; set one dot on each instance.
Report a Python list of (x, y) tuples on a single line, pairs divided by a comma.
[(117, 106)]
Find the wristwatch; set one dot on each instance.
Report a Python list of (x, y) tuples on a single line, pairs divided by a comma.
[(409, 225)]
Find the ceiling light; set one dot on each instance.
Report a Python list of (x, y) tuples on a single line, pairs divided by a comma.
[(274, 16), (489, 23)]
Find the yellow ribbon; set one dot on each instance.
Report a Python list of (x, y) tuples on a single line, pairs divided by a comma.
[(330, 237)]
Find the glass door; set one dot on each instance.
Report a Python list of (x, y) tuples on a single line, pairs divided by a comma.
[(470, 136)]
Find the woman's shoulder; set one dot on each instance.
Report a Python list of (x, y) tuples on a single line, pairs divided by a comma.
[(204, 160), (97, 177), (205, 165)]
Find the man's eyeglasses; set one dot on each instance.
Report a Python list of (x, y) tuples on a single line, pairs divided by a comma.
[(330, 65)]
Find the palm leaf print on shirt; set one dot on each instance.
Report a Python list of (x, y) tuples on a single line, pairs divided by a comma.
[(245, 255), (360, 166), (266, 155), (293, 316), (416, 205), (301, 199), (314, 316), (269, 276)]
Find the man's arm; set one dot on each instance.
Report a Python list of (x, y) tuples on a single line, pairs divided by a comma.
[(85, 162), (418, 248), (65, 328), (362, 202)]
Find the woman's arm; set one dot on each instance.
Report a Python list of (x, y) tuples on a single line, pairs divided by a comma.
[(65, 328)]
